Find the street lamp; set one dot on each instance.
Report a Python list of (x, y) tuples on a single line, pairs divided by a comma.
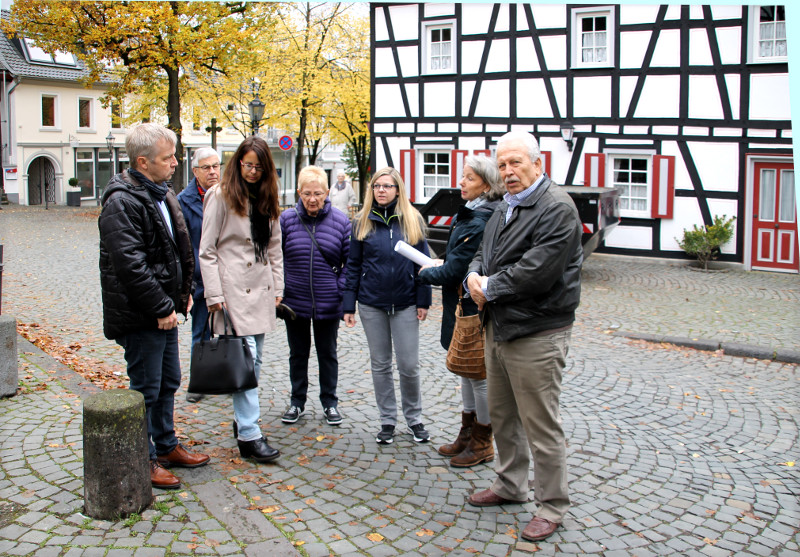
[(567, 133), (110, 144), (256, 113)]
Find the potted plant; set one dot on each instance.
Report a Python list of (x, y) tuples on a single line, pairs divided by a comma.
[(704, 242), (73, 182)]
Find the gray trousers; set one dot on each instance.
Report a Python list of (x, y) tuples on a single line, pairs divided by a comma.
[(474, 395), (524, 377), (400, 329)]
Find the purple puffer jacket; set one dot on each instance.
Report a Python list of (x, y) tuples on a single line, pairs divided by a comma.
[(312, 289)]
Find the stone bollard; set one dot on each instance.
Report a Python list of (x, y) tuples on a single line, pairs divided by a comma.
[(116, 461), (9, 371)]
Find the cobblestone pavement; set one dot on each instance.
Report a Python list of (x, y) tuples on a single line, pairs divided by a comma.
[(672, 451)]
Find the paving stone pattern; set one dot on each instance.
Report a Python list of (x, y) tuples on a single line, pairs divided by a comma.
[(672, 451)]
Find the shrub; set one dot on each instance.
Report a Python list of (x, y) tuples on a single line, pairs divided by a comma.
[(704, 242)]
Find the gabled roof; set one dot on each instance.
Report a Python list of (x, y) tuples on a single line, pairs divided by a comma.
[(13, 60)]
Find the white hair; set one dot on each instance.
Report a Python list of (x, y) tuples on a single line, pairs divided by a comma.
[(203, 153), (530, 142)]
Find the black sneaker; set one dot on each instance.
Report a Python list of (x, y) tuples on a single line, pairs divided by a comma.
[(292, 415), (386, 435), (194, 398), (419, 432), (332, 416)]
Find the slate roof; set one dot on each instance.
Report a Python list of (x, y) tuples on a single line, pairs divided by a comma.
[(13, 60)]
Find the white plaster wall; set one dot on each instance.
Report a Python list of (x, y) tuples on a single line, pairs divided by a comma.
[(405, 22), (729, 208), (730, 44), (632, 48), (475, 18), (439, 9), (667, 53), (630, 237), (769, 97), (467, 90), (637, 14), (726, 12), (384, 63), (733, 84), (388, 101), (717, 164), (699, 50), (490, 103), (409, 60), (532, 100), (704, 100), (686, 213), (660, 98), (499, 56), (548, 16), (439, 100), (555, 52), (592, 96), (471, 53), (527, 60)]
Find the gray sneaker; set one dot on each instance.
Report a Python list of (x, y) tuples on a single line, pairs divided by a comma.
[(332, 416), (292, 415), (386, 435), (419, 432)]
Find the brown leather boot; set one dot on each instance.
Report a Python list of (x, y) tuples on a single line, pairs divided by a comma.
[(479, 449), (454, 448)]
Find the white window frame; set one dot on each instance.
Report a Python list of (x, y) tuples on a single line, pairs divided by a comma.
[(56, 112), (577, 16), (443, 179), (91, 126), (754, 36), (611, 181), (427, 49)]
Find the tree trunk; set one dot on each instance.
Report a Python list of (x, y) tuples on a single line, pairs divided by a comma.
[(174, 115)]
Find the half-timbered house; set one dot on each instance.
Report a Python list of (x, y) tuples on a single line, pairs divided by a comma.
[(684, 109)]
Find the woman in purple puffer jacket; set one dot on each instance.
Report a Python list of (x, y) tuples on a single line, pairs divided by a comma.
[(314, 279)]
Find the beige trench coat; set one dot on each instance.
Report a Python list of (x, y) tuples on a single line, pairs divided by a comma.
[(231, 274)]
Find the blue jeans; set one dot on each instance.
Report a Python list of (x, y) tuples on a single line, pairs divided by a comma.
[(199, 315), (400, 329), (246, 410), (154, 370), (298, 333)]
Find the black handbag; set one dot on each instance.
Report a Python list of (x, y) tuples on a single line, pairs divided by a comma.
[(223, 364)]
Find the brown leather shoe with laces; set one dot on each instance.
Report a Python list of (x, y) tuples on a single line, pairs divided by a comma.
[(182, 458), (538, 529), (488, 498), (161, 478)]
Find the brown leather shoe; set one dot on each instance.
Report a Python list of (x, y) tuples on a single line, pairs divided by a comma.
[(162, 479), (182, 458), (538, 529), (488, 498)]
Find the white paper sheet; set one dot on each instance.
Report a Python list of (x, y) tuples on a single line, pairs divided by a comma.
[(413, 254)]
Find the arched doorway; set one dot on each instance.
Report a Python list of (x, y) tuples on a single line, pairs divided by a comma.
[(41, 182)]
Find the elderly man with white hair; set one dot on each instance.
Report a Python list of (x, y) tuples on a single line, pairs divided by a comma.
[(526, 279), (206, 169), (341, 194)]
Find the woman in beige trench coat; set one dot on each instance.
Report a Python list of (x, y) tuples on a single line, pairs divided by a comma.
[(242, 266)]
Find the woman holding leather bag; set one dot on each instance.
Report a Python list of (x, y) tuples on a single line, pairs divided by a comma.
[(242, 266), (481, 188)]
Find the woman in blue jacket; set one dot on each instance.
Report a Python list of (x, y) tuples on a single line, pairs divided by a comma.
[(481, 188), (316, 243), (391, 301)]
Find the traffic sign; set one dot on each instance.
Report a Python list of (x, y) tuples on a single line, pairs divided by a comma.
[(285, 143)]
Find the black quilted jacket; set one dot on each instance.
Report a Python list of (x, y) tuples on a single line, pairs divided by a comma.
[(145, 273)]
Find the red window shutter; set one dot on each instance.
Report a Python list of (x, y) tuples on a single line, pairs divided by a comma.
[(546, 157), (408, 165), (457, 166), (663, 187), (594, 170)]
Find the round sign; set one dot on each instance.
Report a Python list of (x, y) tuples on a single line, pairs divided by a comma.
[(285, 143)]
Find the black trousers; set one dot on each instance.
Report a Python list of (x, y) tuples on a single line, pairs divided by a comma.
[(298, 333)]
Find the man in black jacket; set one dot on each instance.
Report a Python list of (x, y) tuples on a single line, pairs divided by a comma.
[(146, 266), (526, 280)]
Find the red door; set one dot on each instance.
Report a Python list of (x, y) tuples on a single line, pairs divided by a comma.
[(774, 244)]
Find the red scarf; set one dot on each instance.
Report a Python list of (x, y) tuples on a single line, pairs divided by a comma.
[(202, 192)]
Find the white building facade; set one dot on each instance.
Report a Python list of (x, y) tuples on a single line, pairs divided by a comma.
[(684, 109)]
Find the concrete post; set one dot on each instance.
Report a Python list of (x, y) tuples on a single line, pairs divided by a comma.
[(9, 371), (116, 461)]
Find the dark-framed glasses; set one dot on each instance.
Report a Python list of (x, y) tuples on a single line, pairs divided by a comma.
[(248, 167), (383, 186), (207, 167)]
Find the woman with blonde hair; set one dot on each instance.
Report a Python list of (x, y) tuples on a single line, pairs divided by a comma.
[(391, 301), (241, 262)]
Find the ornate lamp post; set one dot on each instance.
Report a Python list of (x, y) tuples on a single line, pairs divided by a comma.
[(256, 113)]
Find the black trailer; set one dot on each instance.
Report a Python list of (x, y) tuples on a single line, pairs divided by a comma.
[(597, 207)]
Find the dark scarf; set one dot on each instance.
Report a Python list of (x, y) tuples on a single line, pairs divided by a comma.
[(260, 225), (157, 191)]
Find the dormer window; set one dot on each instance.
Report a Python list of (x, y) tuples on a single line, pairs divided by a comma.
[(36, 55)]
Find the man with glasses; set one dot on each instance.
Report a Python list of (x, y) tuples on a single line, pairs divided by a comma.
[(206, 169)]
